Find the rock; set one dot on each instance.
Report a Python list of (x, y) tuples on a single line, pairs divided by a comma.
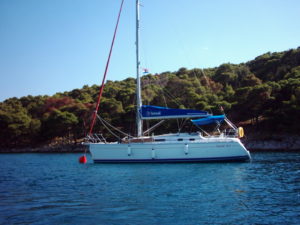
[(278, 142), (67, 148)]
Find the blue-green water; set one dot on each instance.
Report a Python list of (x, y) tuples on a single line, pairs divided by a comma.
[(55, 189)]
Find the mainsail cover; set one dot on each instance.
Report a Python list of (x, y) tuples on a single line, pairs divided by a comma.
[(209, 120), (156, 112)]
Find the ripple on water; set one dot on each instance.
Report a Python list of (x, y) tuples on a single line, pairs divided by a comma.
[(55, 189)]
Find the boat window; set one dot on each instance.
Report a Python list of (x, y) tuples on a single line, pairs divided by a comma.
[(179, 139), (192, 139), (160, 139)]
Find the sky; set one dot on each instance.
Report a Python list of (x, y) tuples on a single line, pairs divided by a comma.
[(50, 46)]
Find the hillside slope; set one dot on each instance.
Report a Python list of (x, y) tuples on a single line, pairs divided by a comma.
[(263, 94)]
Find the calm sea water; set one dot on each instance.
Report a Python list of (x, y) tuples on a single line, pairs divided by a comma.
[(55, 189)]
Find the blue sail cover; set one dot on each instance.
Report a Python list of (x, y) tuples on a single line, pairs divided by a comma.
[(157, 112), (209, 120)]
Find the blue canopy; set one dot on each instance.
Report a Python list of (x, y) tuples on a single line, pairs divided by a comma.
[(157, 112), (209, 120)]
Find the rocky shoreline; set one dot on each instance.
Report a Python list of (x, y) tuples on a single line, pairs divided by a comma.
[(278, 143), (64, 148), (274, 143)]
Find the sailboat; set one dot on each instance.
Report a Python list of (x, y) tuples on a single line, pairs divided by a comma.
[(172, 147)]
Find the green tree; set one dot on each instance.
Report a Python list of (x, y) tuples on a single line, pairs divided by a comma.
[(14, 123), (58, 124)]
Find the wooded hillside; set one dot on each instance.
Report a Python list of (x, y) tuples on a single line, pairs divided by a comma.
[(264, 91)]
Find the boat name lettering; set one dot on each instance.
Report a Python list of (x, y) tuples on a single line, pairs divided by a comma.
[(154, 113), (223, 146)]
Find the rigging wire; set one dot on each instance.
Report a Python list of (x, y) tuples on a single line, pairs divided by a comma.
[(105, 72), (164, 98), (113, 127), (108, 128), (167, 93)]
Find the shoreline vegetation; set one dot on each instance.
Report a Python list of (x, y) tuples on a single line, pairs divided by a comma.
[(278, 143), (262, 95)]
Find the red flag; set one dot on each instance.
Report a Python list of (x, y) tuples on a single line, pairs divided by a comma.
[(145, 70)]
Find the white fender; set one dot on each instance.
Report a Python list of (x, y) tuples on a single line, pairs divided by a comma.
[(153, 153), (129, 150), (186, 149)]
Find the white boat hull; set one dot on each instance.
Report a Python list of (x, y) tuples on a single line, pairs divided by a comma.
[(198, 151)]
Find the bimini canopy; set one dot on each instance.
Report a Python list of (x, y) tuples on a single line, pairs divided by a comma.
[(156, 112), (209, 120)]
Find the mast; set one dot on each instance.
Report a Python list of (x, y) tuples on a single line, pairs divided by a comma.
[(139, 121)]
